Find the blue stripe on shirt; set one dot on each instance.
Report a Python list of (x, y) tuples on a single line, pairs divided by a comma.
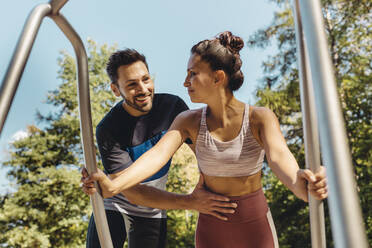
[(136, 151)]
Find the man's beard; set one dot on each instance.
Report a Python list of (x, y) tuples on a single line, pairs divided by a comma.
[(143, 109)]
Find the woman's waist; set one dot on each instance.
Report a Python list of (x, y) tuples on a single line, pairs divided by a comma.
[(250, 207), (234, 186)]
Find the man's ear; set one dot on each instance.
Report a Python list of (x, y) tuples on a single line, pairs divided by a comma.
[(219, 77), (115, 89)]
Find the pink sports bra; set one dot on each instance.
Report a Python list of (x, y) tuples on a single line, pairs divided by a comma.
[(241, 156)]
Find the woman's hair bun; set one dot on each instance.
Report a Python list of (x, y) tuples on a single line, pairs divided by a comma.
[(232, 42)]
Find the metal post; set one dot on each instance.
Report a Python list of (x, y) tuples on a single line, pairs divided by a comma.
[(346, 218), (13, 76), (310, 127), (86, 125)]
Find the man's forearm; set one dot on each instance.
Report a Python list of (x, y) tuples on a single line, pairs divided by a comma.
[(152, 197), (200, 199)]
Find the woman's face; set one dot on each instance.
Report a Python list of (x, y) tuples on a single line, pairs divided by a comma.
[(199, 80)]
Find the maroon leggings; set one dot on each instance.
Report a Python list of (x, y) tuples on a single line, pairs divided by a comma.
[(250, 226)]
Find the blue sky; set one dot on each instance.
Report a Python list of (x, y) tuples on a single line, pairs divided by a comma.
[(163, 30)]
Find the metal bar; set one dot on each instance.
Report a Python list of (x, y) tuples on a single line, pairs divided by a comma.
[(19, 59), (57, 5), (13, 75), (346, 218), (310, 127), (86, 125)]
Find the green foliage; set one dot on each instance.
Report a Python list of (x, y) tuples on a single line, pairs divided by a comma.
[(348, 26), (46, 213), (48, 208)]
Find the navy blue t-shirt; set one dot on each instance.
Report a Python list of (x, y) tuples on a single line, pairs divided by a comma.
[(123, 138)]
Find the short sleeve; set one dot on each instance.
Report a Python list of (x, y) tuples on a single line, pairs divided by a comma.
[(180, 106), (114, 157)]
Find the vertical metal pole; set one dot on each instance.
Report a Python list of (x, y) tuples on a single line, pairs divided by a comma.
[(346, 218), (19, 59), (86, 126), (310, 127)]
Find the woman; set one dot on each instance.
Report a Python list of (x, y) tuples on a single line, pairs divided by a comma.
[(230, 139)]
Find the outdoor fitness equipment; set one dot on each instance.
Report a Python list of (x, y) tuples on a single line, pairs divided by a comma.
[(316, 78), (14, 73)]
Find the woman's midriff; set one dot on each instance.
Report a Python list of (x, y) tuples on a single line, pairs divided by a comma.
[(233, 186)]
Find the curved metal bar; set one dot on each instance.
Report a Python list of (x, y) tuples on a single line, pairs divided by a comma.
[(19, 59), (346, 218), (310, 127), (86, 125), (57, 5)]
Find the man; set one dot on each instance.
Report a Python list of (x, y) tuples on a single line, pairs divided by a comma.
[(132, 127)]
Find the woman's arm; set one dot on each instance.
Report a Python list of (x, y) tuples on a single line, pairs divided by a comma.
[(200, 199), (282, 161), (148, 164)]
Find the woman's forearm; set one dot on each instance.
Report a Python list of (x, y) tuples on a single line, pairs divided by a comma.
[(149, 163), (285, 167), (144, 167)]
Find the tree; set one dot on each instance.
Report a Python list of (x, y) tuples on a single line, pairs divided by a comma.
[(48, 208), (347, 25)]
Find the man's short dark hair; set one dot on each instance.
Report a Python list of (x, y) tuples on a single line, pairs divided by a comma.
[(122, 57)]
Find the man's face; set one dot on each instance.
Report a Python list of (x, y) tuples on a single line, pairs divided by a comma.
[(136, 87)]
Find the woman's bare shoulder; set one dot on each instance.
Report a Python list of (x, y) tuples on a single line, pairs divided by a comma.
[(189, 118), (258, 114), (262, 116), (190, 115)]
